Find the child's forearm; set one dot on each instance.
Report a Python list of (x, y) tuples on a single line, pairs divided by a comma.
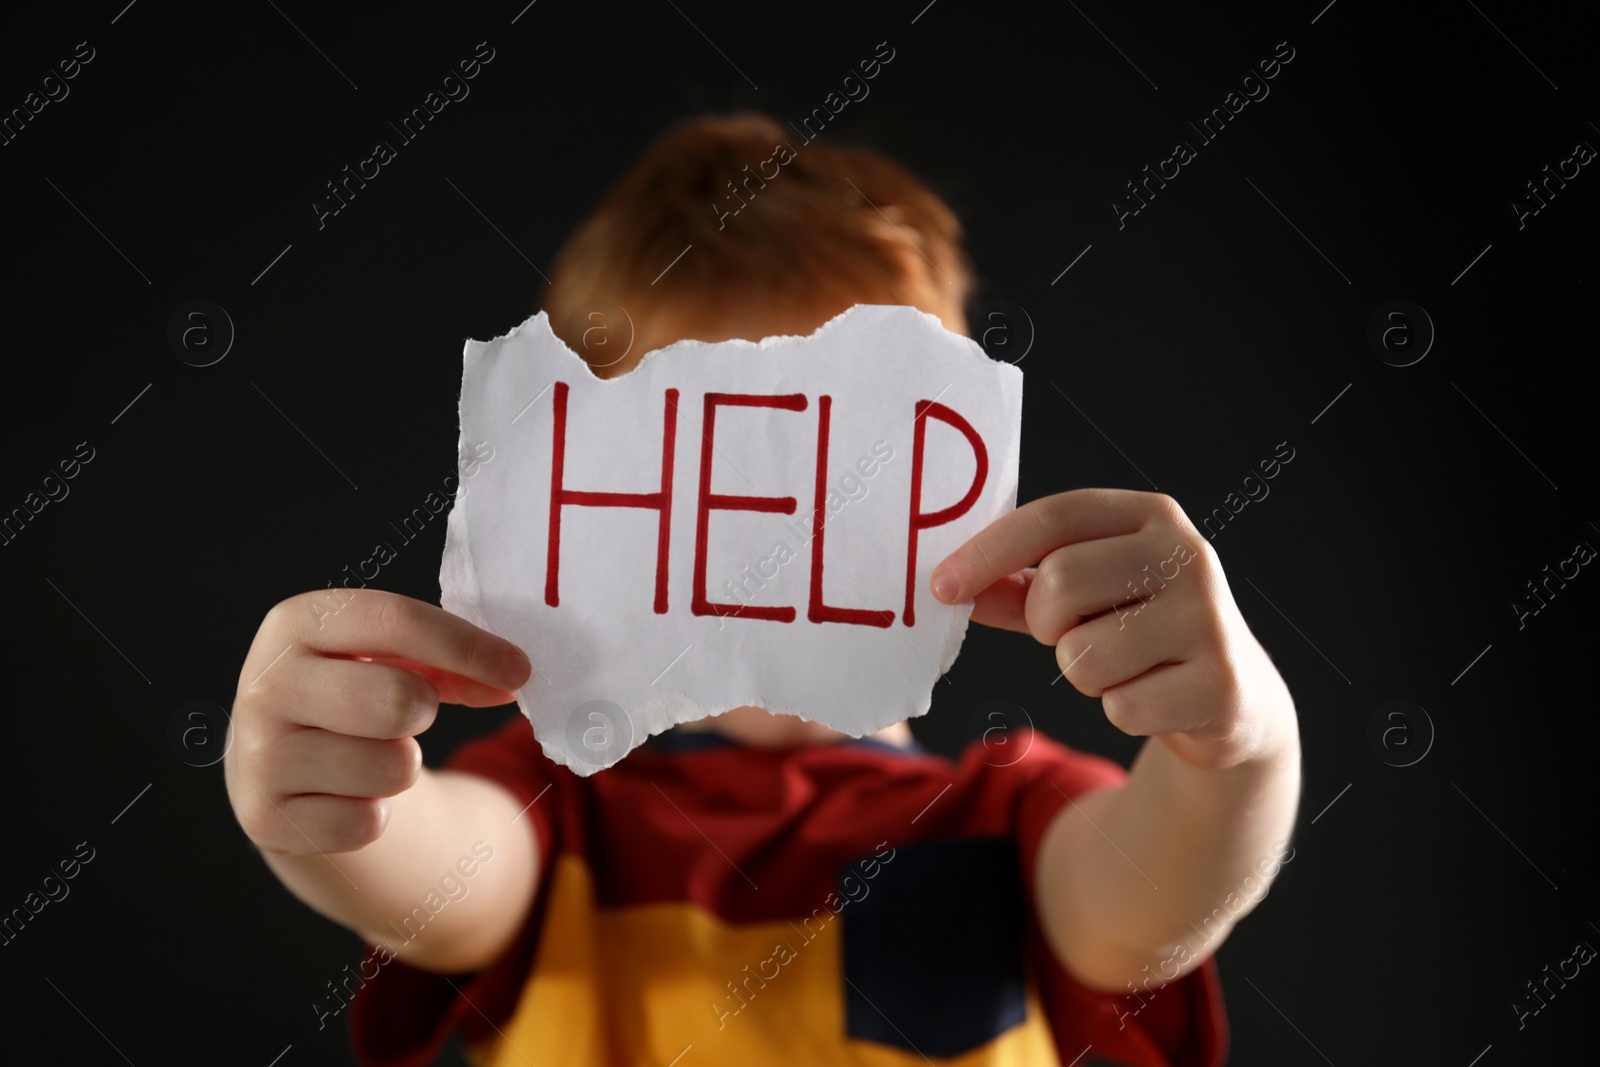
[(411, 891), (1148, 878)]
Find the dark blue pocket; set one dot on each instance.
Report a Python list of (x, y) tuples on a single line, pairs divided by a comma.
[(933, 946)]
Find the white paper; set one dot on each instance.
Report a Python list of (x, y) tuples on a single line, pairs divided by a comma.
[(609, 669)]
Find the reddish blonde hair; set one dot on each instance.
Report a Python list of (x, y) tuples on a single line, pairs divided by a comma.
[(834, 226)]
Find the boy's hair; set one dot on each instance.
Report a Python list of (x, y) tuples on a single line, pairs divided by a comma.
[(773, 232)]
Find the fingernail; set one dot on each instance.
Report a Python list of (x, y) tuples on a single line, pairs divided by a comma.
[(945, 586)]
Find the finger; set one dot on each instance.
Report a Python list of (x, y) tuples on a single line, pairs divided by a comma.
[(309, 760), (453, 688), (347, 696), (300, 825), (1169, 699), (1001, 605), (372, 622), (1028, 534), (1084, 580), (1107, 651)]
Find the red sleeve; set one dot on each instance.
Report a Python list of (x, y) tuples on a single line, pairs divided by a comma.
[(403, 1016), (1179, 1024)]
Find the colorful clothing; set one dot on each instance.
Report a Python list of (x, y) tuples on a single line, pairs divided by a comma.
[(704, 901)]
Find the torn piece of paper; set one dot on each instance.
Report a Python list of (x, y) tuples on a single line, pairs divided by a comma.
[(727, 524)]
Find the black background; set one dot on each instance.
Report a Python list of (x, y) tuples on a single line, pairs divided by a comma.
[(1196, 338)]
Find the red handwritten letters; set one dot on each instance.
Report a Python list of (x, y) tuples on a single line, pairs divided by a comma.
[(817, 610)]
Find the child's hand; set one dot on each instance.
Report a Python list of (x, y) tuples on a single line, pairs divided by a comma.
[(1133, 598), (329, 704)]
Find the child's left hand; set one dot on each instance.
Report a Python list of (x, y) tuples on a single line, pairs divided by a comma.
[(1134, 600)]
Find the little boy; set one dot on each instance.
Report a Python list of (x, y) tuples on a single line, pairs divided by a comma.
[(757, 888)]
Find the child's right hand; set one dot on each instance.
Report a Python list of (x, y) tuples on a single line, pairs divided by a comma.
[(329, 704)]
